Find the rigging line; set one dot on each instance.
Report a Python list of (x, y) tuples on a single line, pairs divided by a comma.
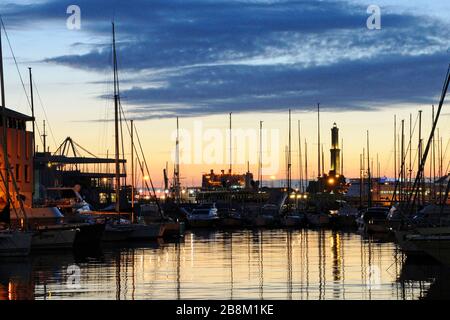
[(18, 70), (403, 164), (15, 61), (8, 194), (144, 161), (45, 113), (135, 148), (122, 142)]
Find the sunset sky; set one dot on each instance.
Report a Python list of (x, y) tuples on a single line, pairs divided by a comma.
[(202, 59)]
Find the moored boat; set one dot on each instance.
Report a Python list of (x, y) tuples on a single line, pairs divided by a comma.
[(320, 219), (292, 220), (54, 237), (146, 231), (117, 231), (15, 243), (374, 220), (203, 217)]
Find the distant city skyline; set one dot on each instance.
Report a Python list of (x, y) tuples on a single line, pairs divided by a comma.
[(202, 59)]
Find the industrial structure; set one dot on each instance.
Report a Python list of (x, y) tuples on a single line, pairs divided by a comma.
[(72, 164), (334, 181)]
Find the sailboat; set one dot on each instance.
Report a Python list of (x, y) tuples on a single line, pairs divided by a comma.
[(13, 242), (122, 229), (433, 239)]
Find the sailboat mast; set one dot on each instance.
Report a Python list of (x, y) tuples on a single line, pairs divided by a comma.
[(395, 153), (231, 148), (32, 109), (177, 165), (132, 171), (422, 176), (433, 156), (369, 191), (3, 121), (306, 165), (260, 155), (318, 141), (300, 169), (289, 156), (116, 121), (402, 170), (342, 156), (410, 153)]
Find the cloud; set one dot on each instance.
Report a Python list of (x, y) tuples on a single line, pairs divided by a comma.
[(204, 57)]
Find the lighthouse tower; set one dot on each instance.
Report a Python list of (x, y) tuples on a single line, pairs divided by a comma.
[(335, 152)]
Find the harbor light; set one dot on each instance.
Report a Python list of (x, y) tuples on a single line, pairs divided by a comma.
[(331, 181)]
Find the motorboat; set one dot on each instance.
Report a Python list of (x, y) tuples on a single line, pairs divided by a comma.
[(374, 220), (430, 221), (345, 216), (231, 219), (203, 217)]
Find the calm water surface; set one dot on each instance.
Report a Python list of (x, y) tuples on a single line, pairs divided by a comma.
[(265, 264)]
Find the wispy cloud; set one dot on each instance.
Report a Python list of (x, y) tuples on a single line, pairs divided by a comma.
[(204, 57)]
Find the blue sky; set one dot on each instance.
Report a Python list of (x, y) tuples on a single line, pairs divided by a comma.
[(210, 57)]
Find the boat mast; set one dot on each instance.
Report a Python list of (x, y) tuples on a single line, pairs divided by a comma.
[(300, 169), (4, 122), (289, 157), (260, 155), (32, 108), (369, 184), (116, 121), (422, 176), (433, 156), (361, 172), (402, 170), (323, 162), (231, 157), (342, 156), (395, 157), (412, 197), (132, 171), (34, 132), (410, 153), (177, 165), (306, 165), (318, 141)]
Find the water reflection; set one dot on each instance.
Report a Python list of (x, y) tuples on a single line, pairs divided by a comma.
[(258, 264)]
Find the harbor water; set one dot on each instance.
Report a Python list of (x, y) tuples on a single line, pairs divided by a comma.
[(247, 264)]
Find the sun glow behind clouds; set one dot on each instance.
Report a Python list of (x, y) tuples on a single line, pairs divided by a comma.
[(207, 58)]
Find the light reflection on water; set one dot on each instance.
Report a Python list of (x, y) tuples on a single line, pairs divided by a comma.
[(264, 264)]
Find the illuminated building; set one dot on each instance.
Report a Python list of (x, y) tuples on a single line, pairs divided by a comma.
[(20, 155)]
